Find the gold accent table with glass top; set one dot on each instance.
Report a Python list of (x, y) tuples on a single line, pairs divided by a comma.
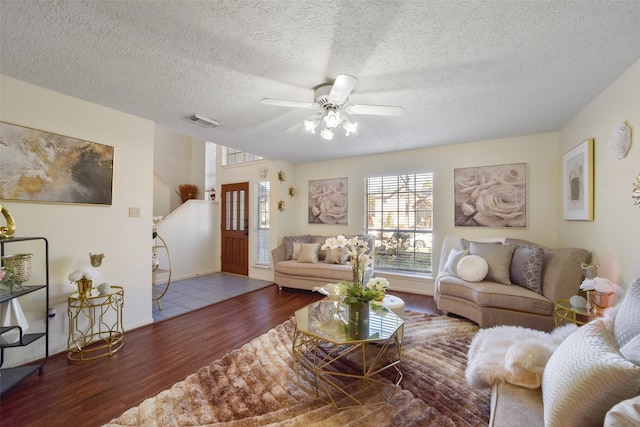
[(341, 370), (566, 313), (95, 324)]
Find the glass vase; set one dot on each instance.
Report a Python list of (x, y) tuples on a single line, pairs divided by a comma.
[(358, 323)]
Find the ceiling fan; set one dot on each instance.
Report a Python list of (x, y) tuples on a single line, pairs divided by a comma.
[(332, 102)]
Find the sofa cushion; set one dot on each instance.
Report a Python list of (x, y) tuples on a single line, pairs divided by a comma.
[(497, 256), (309, 252), (337, 256), (561, 272), (288, 244), (526, 267), (492, 294), (472, 268), (296, 251), (455, 255), (585, 377), (329, 272), (627, 322), (515, 406)]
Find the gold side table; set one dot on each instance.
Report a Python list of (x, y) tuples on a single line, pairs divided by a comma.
[(566, 313), (95, 324)]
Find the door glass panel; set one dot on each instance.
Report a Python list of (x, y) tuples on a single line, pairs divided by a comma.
[(242, 210), (227, 208), (235, 211)]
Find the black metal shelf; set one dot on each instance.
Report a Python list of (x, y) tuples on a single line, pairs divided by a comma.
[(6, 295), (12, 376)]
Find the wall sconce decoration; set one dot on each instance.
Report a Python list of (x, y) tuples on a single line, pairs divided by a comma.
[(281, 205), (636, 192), (292, 191), (281, 176), (263, 172), (96, 259), (620, 140)]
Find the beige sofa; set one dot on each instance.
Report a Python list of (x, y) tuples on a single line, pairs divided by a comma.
[(310, 273), (591, 379), (490, 303)]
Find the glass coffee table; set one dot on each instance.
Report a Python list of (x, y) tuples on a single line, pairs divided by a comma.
[(341, 370)]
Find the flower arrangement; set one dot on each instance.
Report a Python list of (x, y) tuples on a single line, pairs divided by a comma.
[(598, 284), (6, 277), (378, 283), (359, 259), (84, 273)]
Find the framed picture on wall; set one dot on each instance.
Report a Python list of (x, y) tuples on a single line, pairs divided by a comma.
[(329, 201), (39, 166), (491, 196), (577, 182)]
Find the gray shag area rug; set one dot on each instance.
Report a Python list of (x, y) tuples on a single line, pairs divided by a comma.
[(257, 385)]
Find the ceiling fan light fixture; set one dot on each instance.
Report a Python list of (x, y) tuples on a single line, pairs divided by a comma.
[(326, 133), (332, 119), (310, 125), (349, 127)]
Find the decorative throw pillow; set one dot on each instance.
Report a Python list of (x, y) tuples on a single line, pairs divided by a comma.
[(337, 256), (526, 267), (497, 256), (466, 244), (309, 252), (454, 258), (296, 251), (624, 414), (631, 350), (288, 244), (585, 377), (472, 268), (627, 323)]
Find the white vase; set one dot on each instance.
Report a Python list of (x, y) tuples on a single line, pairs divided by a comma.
[(14, 317)]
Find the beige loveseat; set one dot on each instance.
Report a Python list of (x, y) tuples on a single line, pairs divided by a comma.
[(490, 302), (591, 379), (311, 271)]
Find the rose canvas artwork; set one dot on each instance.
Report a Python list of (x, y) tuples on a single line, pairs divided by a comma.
[(328, 201), (491, 196)]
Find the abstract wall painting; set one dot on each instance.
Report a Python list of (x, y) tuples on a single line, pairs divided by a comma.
[(40, 166)]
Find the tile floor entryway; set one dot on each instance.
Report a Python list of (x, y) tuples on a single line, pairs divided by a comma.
[(190, 294)]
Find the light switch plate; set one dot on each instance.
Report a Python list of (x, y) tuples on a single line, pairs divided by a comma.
[(134, 212)]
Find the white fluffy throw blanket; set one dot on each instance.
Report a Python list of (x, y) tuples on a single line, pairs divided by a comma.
[(512, 354)]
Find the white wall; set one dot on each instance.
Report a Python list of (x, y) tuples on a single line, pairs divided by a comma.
[(191, 233), (614, 234), (173, 162), (537, 151), (75, 230)]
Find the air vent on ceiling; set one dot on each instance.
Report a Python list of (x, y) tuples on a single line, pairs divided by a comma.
[(204, 121)]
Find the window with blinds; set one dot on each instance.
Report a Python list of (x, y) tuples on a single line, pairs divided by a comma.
[(399, 212), (262, 232)]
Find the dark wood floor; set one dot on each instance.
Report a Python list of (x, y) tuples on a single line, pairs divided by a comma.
[(153, 358)]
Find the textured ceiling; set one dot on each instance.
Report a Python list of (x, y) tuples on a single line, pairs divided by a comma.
[(463, 71)]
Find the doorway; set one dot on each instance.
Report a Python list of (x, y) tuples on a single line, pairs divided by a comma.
[(235, 228)]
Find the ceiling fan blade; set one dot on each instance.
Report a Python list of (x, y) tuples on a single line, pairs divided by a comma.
[(287, 103), (376, 110), (295, 128), (342, 88)]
